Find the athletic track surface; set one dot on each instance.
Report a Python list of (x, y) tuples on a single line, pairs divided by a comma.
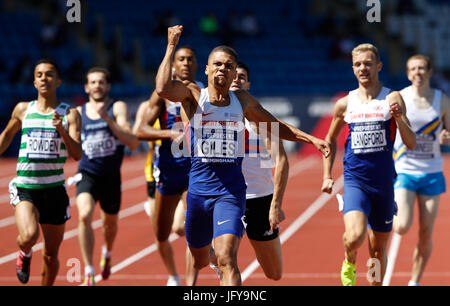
[(311, 237)]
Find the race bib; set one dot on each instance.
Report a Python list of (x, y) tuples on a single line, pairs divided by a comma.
[(99, 144), (218, 142), (368, 137), (424, 147), (43, 144)]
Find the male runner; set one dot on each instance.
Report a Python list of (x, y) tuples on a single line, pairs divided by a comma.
[(214, 119), (171, 172), (372, 113), (263, 211), (50, 133), (105, 130), (420, 170)]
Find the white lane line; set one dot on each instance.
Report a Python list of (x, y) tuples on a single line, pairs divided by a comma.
[(133, 258), (392, 257), (7, 221), (299, 222), (74, 232)]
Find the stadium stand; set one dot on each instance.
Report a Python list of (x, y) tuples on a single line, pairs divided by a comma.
[(300, 48)]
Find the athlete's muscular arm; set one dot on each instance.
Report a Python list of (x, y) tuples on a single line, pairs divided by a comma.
[(120, 125), (280, 179), (13, 126), (444, 137), (398, 112), (166, 87), (146, 116), (139, 117), (71, 137), (254, 112), (336, 126)]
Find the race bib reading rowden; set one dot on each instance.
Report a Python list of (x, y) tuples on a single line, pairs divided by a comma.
[(99, 144), (43, 144), (219, 141), (368, 137)]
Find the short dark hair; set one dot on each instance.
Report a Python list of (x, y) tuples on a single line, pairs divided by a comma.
[(102, 70), (187, 47), (48, 61), (225, 49), (245, 67)]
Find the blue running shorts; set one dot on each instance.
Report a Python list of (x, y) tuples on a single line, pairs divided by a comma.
[(378, 206), (208, 217), (170, 181), (431, 184)]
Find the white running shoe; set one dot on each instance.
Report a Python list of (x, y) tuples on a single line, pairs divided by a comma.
[(412, 283), (174, 280)]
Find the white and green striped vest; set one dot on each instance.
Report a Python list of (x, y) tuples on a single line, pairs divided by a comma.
[(42, 151)]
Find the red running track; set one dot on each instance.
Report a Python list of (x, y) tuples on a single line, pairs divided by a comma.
[(311, 235)]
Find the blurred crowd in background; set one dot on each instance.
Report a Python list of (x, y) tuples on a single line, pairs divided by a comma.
[(292, 47)]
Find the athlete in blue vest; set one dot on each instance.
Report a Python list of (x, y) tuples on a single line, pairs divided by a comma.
[(372, 114), (106, 129), (214, 119), (171, 171)]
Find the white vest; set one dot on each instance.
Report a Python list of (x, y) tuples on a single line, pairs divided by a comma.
[(257, 166), (426, 123), (42, 153)]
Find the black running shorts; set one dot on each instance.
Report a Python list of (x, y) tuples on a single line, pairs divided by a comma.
[(52, 203), (257, 219), (151, 187), (105, 189)]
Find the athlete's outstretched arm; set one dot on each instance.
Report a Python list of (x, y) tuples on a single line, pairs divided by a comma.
[(13, 126), (336, 126), (254, 112), (398, 112)]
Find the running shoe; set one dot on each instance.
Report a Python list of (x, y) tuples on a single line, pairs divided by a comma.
[(348, 273), (174, 280), (413, 283), (89, 280), (105, 266), (23, 268)]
